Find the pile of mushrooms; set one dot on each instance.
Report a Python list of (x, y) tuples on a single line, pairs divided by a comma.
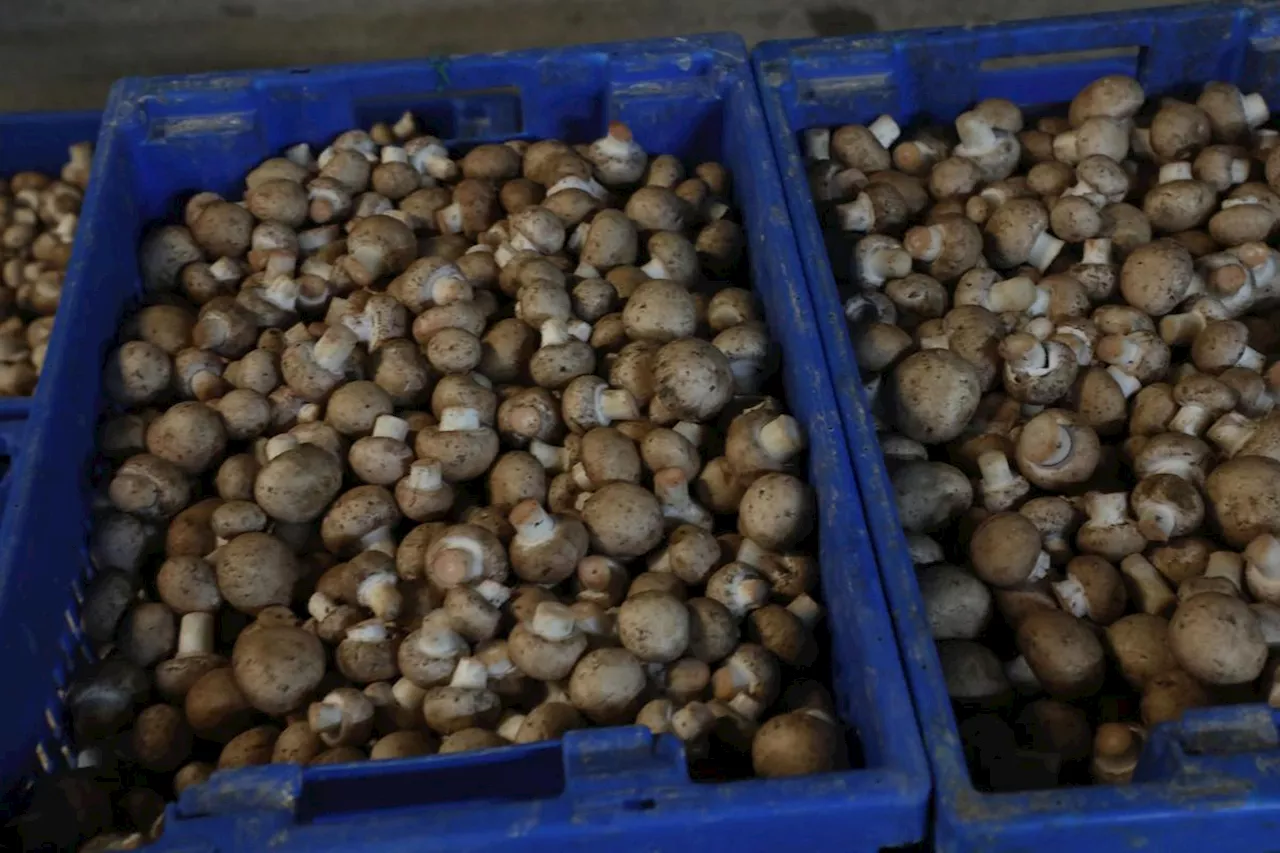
[(38, 219), (418, 454), (1066, 329)]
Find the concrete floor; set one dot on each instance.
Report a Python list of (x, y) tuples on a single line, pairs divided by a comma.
[(65, 53)]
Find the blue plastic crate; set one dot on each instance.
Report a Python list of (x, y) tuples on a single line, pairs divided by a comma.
[(694, 97), (38, 142), (1212, 781)]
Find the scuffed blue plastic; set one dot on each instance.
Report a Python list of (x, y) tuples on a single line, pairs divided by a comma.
[(1194, 792), (609, 789), (33, 142)]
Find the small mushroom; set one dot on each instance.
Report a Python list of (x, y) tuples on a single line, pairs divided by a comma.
[(1217, 639)]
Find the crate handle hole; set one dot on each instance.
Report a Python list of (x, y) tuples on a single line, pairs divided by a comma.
[(648, 804), (1070, 57)]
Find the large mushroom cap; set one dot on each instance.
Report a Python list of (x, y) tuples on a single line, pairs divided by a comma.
[(1217, 639), (1244, 498), (936, 393), (278, 668), (1063, 652)]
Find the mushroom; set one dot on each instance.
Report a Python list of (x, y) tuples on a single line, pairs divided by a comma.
[(546, 548), (1217, 639), (1064, 654), (607, 685), (930, 495), (1005, 550), (936, 394), (548, 646), (255, 570), (1055, 451), (1109, 532), (624, 520), (1244, 498), (1092, 589), (1166, 506), (1116, 747), (797, 743), (464, 703)]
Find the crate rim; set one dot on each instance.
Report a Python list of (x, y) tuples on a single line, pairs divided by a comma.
[(903, 777), (971, 816)]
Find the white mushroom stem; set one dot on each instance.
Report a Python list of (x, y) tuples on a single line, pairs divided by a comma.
[(817, 144), (446, 285), (334, 348), (450, 219), (321, 606), (379, 540), (1077, 341), (1066, 146), (1191, 419), (534, 525), (1251, 359), (552, 458), (993, 466), (580, 477), (671, 486), (747, 706), (1255, 109), (432, 159), (470, 674), (881, 263), (1268, 616), (509, 727), (1228, 565), (693, 722), (694, 432), (856, 215), (1044, 250), (389, 426), (394, 154), (1231, 432), (1097, 250), (750, 553), (1070, 593), (1177, 171), (459, 419), (806, 609), (553, 621), (1147, 586), (195, 634), (554, 332), (885, 130), (379, 593), (493, 592), (313, 240), (224, 270), (425, 475), (977, 136), (1107, 510), (278, 444), (1129, 385), (781, 438), (408, 696)]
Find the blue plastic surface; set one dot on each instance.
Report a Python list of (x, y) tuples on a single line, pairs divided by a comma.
[(33, 142), (1212, 781), (695, 97)]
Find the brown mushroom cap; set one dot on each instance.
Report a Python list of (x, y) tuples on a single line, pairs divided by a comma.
[(1217, 639), (777, 511), (256, 570), (654, 626), (692, 380), (216, 708), (625, 520), (1006, 551), (1156, 277), (278, 668), (1063, 652), (797, 743), (1244, 498), (930, 495), (936, 393), (161, 738), (299, 484), (1139, 643), (607, 685)]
